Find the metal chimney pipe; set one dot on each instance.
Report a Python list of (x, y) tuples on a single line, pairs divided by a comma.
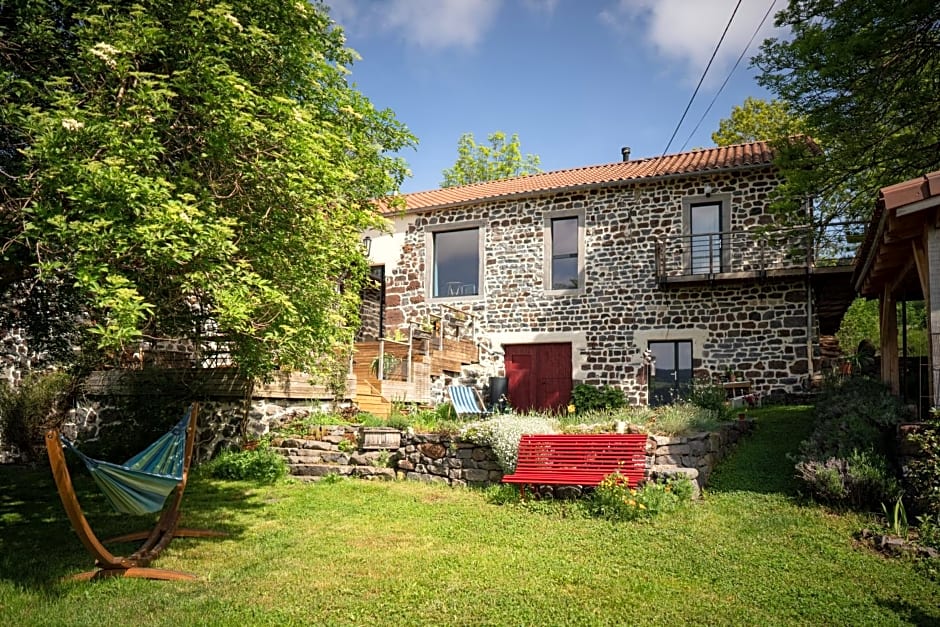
[(625, 153)]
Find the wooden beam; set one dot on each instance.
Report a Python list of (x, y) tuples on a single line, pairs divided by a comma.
[(919, 250), (900, 276), (889, 341)]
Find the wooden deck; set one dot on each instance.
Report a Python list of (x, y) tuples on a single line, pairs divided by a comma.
[(402, 383)]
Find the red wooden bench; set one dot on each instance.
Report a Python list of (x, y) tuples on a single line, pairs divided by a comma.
[(581, 459)]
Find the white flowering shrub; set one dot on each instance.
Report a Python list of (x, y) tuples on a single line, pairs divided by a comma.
[(502, 435)]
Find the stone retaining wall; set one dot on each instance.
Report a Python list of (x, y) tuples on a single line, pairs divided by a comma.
[(445, 459), (695, 455), (416, 457), (424, 457)]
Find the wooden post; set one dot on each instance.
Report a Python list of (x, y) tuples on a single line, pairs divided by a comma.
[(932, 302), (380, 371), (889, 341), (927, 257), (411, 341)]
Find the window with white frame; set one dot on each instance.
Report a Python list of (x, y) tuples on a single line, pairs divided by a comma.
[(455, 263), (564, 252)]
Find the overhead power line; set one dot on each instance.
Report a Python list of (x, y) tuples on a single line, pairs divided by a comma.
[(728, 77), (684, 113)]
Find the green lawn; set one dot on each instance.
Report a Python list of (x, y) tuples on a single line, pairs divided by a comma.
[(361, 553)]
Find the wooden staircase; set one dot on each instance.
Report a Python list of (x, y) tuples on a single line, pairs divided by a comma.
[(428, 357), (369, 397)]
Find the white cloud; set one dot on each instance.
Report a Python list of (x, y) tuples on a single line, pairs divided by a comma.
[(430, 24), (541, 6), (687, 31)]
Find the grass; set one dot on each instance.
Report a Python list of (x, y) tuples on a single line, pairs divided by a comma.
[(358, 553)]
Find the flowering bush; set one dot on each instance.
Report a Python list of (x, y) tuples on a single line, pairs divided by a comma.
[(502, 435), (614, 499), (845, 461)]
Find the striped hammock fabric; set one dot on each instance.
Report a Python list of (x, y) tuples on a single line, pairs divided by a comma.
[(142, 484)]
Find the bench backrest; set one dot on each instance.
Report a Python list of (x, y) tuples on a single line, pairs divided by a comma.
[(600, 454)]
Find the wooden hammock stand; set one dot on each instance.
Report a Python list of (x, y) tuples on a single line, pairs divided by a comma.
[(155, 540)]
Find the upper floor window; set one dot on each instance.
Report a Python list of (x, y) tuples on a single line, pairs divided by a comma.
[(706, 221), (455, 266), (564, 252), (705, 242)]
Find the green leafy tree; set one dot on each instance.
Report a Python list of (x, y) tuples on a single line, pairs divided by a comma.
[(477, 163), (861, 322), (189, 168), (863, 74), (757, 120)]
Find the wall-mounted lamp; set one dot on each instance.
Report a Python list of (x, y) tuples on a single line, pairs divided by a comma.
[(708, 191), (366, 245)]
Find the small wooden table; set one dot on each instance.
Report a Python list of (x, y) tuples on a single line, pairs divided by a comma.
[(736, 391)]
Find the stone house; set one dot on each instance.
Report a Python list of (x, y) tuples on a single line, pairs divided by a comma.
[(640, 274)]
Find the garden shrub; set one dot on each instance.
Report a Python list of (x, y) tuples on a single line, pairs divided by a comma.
[(854, 414), (587, 398), (845, 461), (502, 434), (614, 499), (261, 464), (860, 480), (677, 418), (28, 410), (709, 395), (922, 474)]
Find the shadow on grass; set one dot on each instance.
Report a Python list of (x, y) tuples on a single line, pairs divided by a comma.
[(761, 462), (38, 546), (910, 613)]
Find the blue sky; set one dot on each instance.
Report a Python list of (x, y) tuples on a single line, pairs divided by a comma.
[(576, 79)]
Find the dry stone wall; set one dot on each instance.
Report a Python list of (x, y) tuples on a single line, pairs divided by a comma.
[(430, 458), (434, 458), (760, 328)]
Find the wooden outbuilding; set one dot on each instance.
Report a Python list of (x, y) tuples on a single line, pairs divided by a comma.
[(900, 260)]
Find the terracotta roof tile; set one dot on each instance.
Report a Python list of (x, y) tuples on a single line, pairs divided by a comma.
[(723, 158), (907, 192), (890, 199)]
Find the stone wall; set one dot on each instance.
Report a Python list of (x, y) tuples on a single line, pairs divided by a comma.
[(695, 455), (222, 425), (435, 458), (758, 327), (415, 457)]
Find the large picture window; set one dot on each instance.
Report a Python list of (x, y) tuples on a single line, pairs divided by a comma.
[(456, 263)]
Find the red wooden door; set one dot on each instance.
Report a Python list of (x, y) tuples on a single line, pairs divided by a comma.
[(539, 376)]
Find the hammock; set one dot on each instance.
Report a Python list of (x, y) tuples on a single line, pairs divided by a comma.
[(142, 484)]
